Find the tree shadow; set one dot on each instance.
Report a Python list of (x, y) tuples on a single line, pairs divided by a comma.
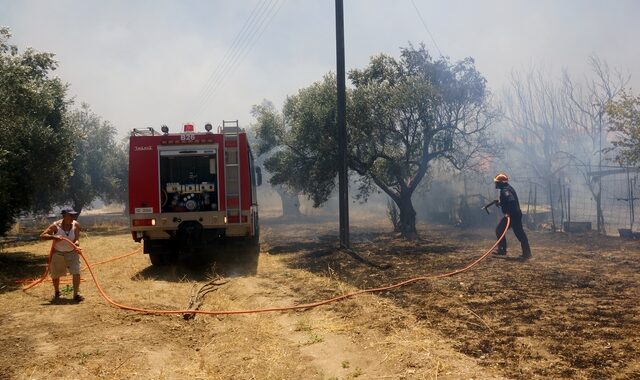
[(18, 267), (302, 219), (298, 246), (106, 231), (375, 258), (519, 259)]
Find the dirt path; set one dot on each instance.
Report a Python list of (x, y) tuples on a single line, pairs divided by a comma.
[(368, 337), (568, 313)]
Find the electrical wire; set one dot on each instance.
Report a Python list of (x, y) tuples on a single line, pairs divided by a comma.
[(254, 17), (424, 24), (244, 46), (242, 53), (241, 34)]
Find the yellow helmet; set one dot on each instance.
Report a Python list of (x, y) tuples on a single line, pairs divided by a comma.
[(501, 177)]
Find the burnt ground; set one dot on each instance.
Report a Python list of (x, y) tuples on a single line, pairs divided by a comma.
[(571, 312)]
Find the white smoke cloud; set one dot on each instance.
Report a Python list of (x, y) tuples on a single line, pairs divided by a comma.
[(144, 63)]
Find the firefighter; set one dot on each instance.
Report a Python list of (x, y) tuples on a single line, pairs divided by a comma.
[(510, 206), (64, 256)]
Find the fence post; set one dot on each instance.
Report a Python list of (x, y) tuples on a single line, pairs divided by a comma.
[(553, 219), (535, 203), (569, 206), (561, 188)]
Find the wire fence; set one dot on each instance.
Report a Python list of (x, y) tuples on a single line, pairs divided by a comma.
[(567, 203)]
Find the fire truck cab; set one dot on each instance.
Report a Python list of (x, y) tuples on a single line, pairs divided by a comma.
[(190, 189)]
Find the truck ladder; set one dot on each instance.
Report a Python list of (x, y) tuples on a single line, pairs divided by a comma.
[(144, 132), (233, 186)]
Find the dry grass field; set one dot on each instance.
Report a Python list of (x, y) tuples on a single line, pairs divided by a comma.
[(572, 312)]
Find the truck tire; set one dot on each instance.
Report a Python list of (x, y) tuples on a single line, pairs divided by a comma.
[(250, 253), (254, 242), (162, 252), (158, 259)]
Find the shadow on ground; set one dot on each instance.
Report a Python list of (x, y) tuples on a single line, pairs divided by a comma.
[(301, 220), (228, 259), (575, 301), (18, 266)]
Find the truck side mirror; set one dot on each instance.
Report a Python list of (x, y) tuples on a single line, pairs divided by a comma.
[(258, 176)]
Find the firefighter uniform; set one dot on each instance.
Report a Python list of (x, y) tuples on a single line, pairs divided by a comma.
[(510, 206)]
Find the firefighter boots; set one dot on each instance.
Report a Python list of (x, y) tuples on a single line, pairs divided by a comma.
[(501, 251)]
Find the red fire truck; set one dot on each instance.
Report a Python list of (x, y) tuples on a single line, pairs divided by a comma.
[(191, 189)]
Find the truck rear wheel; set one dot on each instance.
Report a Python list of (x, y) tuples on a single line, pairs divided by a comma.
[(161, 252), (250, 253), (159, 259)]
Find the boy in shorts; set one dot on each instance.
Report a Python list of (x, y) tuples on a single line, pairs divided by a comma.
[(64, 256)]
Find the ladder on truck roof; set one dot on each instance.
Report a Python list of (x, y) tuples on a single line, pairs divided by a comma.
[(144, 132), (233, 189)]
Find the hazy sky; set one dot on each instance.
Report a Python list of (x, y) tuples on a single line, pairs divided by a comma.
[(148, 63)]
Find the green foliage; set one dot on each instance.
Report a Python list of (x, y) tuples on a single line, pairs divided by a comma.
[(118, 174), (624, 115), (269, 133), (410, 112), (301, 141), (66, 290), (99, 166), (394, 215), (269, 130), (402, 114), (35, 144)]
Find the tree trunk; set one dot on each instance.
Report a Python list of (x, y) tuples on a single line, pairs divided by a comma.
[(407, 216), (553, 217), (599, 214), (78, 209), (77, 204), (290, 203), (596, 192)]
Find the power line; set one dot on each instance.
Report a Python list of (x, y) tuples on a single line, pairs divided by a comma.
[(252, 37), (255, 37), (234, 53), (424, 24), (242, 52), (238, 41), (234, 44)]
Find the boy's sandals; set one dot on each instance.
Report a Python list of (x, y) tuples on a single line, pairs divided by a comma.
[(56, 296), (78, 298)]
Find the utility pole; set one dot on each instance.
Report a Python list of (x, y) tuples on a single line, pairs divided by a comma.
[(343, 184)]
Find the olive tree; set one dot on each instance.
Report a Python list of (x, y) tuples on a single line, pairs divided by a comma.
[(403, 115), (587, 105), (624, 115), (99, 163), (407, 114), (35, 143), (268, 137)]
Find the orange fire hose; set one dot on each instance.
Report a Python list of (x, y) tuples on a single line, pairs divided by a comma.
[(285, 308), (42, 278)]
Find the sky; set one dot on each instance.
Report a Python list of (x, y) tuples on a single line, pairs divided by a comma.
[(147, 63)]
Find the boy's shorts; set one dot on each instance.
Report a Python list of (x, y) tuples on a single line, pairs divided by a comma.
[(61, 261)]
